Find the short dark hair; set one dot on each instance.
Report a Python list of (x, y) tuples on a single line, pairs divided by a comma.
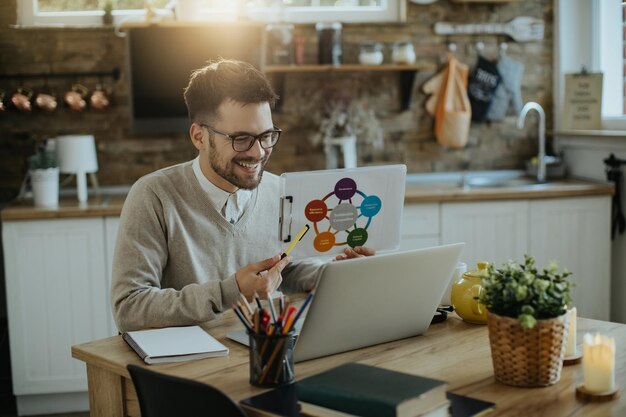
[(221, 80)]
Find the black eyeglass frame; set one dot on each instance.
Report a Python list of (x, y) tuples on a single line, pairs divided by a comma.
[(258, 137)]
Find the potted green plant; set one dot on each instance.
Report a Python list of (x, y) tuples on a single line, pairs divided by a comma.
[(44, 175), (527, 321)]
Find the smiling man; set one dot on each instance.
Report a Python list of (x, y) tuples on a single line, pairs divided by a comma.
[(194, 236)]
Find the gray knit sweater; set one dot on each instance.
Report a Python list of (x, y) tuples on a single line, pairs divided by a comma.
[(176, 256)]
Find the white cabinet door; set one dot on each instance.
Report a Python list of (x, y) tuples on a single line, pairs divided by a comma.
[(56, 298), (493, 231), (420, 226), (418, 242), (111, 225), (575, 232)]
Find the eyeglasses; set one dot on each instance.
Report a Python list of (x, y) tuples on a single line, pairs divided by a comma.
[(243, 142)]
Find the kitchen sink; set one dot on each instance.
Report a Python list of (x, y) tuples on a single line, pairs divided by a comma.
[(476, 179), (487, 182)]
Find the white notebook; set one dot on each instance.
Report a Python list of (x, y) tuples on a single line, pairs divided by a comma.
[(174, 344)]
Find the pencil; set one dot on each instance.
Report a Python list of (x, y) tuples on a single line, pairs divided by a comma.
[(295, 241), (271, 303), (289, 319), (245, 304), (258, 300), (241, 317), (281, 304), (299, 313)]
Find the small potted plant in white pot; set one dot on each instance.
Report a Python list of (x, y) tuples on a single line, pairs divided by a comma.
[(527, 321), (342, 124), (44, 175)]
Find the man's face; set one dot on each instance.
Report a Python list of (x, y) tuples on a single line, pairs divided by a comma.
[(225, 167)]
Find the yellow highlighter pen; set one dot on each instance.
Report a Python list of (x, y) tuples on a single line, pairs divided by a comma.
[(295, 241)]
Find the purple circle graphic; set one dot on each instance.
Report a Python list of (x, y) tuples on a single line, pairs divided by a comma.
[(345, 188)]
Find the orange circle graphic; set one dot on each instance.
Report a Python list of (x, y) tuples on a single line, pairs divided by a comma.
[(324, 241)]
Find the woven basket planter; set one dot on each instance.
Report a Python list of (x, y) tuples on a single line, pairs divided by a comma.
[(527, 358)]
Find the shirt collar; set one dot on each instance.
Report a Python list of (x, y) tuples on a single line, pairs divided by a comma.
[(219, 197)]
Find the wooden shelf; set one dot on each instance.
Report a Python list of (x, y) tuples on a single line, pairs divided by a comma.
[(485, 1), (282, 69), (407, 75)]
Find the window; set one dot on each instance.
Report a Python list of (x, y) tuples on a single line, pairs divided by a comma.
[(89, 12), (610, 22), (592, 33)]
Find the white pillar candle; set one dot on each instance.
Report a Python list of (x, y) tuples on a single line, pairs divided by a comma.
[(599, 363), (570, 346)]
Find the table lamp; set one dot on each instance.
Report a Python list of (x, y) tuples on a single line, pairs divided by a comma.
[(77, 155)]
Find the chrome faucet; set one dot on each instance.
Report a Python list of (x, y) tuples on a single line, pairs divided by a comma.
[(541, 158)]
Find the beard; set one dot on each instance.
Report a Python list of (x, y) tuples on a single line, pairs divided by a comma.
[(247, 182)]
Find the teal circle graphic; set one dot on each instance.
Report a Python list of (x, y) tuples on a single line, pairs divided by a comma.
[(371, 206)]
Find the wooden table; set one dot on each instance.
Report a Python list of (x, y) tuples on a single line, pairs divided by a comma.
[(453, 351)]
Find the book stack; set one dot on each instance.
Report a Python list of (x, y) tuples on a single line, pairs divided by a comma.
[(361, 390), (369, 391)]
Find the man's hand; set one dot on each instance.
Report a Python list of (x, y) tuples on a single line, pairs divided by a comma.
[(261, 277), (356, 252)]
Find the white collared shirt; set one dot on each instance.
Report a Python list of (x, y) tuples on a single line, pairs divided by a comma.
[(230, 205)]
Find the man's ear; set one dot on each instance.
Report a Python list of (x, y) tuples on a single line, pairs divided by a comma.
[(196, 133)]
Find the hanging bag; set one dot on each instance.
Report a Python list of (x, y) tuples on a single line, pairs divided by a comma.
[(454, 114)]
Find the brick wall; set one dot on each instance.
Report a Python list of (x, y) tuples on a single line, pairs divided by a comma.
[(408, 135)]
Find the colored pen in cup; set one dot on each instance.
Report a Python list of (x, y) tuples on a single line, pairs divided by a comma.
[(271, 305), (300, 311), (295, 241)]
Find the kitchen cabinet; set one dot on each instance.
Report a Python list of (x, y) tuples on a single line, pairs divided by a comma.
[(493, 231), (57, 278), (420, 226), (111, 224), (576, 233)]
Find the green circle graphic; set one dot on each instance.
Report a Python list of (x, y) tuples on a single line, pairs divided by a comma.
[(357, 237)]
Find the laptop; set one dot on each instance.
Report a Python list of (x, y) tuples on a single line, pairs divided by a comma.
[(366, 301)]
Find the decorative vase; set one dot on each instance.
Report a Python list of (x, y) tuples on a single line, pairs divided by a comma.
[(45, 185), (527, 357), (340, 152)]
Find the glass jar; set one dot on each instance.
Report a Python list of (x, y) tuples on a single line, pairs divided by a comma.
[(329, 43), (279, 43), (403, 53), (371, 53)]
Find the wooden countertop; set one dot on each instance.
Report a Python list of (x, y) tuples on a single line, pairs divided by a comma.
[(437, 192), (98, 206), (416, 192)]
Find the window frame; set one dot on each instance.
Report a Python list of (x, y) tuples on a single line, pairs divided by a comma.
[(611, 64), (28, 15), (392, 11), (582, 27)]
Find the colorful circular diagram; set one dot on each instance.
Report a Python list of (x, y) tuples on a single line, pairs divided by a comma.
[(344, 210)]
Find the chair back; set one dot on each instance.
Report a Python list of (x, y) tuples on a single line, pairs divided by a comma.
[(163, 395)]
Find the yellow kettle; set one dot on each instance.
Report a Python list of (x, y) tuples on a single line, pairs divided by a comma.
[(464, 292)]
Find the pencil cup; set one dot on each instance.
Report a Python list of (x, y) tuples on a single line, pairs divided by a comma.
[(271, 359)]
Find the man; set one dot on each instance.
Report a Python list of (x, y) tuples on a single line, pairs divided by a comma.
[(194, 236)]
